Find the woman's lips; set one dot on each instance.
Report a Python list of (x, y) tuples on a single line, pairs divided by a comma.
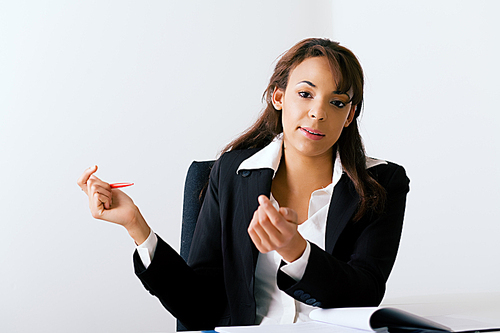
[(311, 133)]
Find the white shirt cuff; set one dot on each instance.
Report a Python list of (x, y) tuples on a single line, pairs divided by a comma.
[(147, 249), (297, 268)]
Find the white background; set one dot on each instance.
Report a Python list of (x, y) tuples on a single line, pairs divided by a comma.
[(144, 88)]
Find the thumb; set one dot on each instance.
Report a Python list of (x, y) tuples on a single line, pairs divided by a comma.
[(289, 214)]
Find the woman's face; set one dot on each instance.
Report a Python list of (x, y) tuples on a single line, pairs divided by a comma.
[(313, 112)]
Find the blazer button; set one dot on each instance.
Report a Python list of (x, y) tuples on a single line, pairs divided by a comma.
[(318, 304), (311, 301), (305, 297), (298, 293), (245, 173)]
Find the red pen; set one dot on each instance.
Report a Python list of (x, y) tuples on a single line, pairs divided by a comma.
[(119, 185)]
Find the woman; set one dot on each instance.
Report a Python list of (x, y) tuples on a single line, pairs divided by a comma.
[(295, 216)]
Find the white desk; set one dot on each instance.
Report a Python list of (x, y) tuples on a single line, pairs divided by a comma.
[(467, 311)]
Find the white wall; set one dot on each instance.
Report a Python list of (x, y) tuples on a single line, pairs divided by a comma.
[(433, 71), (141, 89)]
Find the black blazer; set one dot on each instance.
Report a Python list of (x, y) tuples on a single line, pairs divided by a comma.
[(216, 286)]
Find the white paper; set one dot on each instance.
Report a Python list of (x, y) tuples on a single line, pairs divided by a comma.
[(358, 318), (310, 326)]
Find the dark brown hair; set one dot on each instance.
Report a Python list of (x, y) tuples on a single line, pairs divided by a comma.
[(349, 145)]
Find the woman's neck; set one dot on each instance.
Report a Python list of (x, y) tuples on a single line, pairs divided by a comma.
[(308, 171), (297, 177)]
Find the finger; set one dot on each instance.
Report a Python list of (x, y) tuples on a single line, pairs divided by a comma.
[(265, 242), (256, 240), (275, 237), (104, 199), (95, 181), (96, 206), (100, 187), (96, 189), (272, 237), (93, 177), (280, 230), (261, 241), (264, 231), (95, 185), (82, 181), (290, 215), (253, 234), (265, 223), (272, 214)]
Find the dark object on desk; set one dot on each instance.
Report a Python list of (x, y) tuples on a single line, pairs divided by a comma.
[(401, 321), (194, 193), (407, 330)]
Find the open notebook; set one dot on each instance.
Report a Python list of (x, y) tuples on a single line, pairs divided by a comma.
[(356, 320)]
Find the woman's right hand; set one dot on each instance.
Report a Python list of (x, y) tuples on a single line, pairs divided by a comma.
[(113, 205)]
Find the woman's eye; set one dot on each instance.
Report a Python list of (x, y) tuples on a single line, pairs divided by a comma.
[(304, 94), (338, 104)]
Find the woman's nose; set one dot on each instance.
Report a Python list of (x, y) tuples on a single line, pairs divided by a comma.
[(318, 113)]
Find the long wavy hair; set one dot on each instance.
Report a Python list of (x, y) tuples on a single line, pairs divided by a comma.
[(349, 145)]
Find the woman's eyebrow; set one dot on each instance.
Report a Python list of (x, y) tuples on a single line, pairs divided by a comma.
[(337, 92), (307, 82)]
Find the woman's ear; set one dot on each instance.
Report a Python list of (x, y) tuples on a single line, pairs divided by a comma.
[(350, 117), (278, 96)]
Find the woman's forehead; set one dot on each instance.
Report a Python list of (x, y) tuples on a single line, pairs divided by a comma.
[(319, 71), (316, 70)]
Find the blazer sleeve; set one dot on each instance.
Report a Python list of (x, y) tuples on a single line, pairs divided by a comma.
[(359, 278), (193, 293)]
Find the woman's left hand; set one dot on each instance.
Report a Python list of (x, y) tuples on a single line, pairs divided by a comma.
[(276, 230)]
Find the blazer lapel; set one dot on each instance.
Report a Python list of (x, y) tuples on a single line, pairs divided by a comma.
[(343, 205), (255, 183), (251, 184)]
